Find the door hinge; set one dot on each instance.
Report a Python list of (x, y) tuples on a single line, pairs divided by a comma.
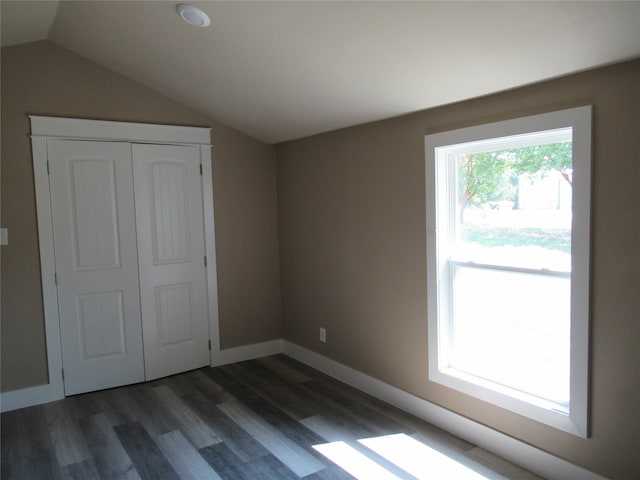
[(48, 171), (209, 345), (205, 260), (200, 169), (55, 278), (62, 374)]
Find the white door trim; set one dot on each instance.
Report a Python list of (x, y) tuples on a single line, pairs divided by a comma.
[(45, 128), (48, 268), (77, 128)]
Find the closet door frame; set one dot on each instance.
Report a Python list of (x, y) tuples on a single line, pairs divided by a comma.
[(50, 128)]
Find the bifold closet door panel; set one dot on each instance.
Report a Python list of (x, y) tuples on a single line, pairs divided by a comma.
[(96, 264), (169, 217)]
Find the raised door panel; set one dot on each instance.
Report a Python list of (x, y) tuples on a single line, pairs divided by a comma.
[(101, 323), (169, 217), (93, 213), (169, 212), (96, 263), (173, 310)]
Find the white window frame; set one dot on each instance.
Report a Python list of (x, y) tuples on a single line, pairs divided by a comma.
[(438, 147)]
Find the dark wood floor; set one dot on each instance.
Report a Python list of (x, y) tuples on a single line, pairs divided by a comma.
[(271, 418)]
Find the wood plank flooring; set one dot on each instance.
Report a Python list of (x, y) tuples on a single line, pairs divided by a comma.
[(271, 418)]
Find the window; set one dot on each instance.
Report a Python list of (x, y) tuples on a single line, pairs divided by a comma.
[(508, 264)]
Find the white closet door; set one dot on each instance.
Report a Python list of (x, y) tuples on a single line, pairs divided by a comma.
[(96, 264), (168, 198)]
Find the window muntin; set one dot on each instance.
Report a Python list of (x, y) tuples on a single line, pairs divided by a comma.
[(508, 317)]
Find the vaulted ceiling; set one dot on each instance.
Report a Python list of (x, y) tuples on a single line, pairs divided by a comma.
[(284, 70)]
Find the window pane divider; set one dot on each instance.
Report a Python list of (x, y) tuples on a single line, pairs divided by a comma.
[(506, 268)]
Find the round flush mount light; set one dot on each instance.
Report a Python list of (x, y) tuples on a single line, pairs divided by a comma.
[(193, 15)]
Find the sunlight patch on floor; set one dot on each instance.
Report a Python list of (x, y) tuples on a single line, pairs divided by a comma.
[(354, 462), (418, 459), (407, 453)]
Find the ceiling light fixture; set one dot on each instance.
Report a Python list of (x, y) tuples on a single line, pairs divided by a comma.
[(193, 15)]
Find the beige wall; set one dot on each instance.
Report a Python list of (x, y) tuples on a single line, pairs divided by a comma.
[(352, 243), (43, 79), (352, 236)]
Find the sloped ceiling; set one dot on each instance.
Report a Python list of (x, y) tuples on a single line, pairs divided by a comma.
[(24, 22), (284, 70)]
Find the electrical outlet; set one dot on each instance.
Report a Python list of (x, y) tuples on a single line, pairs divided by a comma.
[(323, 335)]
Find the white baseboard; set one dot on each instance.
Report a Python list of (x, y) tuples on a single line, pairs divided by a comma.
[(520, 453), (28, 397), (246, 352)]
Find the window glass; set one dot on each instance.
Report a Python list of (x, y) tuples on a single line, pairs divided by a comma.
[(513, 329), (514, 206)]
